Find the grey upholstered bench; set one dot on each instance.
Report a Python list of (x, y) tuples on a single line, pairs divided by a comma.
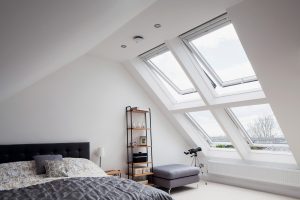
[(175, 175)]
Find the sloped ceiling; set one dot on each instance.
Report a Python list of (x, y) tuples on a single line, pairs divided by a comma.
[(38, 37)]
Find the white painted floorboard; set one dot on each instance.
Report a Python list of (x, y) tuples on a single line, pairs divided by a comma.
[(215, 191)]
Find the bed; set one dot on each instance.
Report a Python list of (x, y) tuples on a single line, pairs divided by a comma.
[(83, 179)]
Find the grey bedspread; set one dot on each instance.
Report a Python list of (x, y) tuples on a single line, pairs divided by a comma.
[(88, 188)]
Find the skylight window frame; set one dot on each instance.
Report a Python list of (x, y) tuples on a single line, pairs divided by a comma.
[(202, 30), (204, 133), (158, 51), (239, 125)]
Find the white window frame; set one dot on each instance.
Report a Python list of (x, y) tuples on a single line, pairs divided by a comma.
[(204, 29), (157, 51), (210, 100), (203, 132)]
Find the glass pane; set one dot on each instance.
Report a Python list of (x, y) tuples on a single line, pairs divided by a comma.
[(211, 128), (223, 51), (178, 97), (240, 88), (261, 127), (167, 64)]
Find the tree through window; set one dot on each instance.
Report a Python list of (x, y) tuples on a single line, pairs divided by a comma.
[(260, 127)]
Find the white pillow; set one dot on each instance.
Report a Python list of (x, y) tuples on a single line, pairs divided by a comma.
[(80, 167)]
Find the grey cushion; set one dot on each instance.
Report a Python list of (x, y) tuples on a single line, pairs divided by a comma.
[(40, 162), (175, 171)]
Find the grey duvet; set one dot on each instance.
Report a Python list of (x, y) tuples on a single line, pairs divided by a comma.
[(87, 188)]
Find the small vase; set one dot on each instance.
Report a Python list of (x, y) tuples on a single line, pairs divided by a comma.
[(134, 125)]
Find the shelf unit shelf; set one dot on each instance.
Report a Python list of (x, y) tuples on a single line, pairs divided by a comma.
[(138, 111), (146, 131), (139, 163), (139, 175), (139, 129), (139, 146)]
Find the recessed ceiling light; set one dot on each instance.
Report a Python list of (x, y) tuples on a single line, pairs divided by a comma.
[(157, 25), (123, 46), (138, 38)]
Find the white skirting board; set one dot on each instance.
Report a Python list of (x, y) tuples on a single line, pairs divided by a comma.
[(256, 185), (273, 180)]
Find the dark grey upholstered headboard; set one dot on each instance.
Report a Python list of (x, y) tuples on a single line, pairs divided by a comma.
[(25, 152)]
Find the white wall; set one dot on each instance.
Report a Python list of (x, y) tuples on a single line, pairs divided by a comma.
[(85, 101)]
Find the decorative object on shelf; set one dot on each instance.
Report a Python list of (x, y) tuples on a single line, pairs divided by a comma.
[(100, 153), (146, 170), (143, 125), (139, 125), (139, 143), (134, 125), (143, 140), (136, 171), (133, 144), (140, 157)]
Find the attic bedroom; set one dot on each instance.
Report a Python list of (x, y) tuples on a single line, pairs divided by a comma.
[(149, 99)]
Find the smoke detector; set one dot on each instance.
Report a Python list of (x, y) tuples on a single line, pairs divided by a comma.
[(138, 38), (157, 25)]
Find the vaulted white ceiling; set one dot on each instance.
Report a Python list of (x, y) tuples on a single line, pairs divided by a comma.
[(38, 37)]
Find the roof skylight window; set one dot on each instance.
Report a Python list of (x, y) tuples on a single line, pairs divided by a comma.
[(210, 129), (260, 127), (220, 54), (169, 72)]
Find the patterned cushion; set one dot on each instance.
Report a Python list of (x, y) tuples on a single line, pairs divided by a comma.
[(80, 167), (17, 170), (55, 168), (40, 162)]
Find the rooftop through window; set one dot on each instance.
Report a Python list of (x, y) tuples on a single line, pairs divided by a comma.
[(210, 129)]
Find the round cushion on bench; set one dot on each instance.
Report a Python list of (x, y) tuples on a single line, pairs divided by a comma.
[(175, 171)]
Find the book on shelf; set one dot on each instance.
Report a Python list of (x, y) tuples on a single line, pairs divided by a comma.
[(140, 170), (145, 182)]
